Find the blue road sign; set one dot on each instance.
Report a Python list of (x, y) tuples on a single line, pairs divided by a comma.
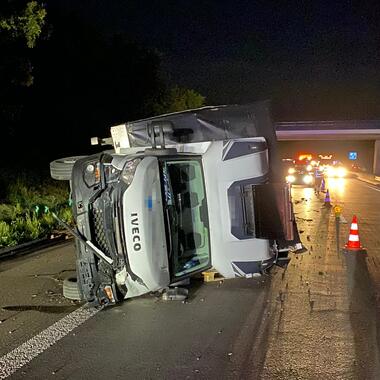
[(353, 155)]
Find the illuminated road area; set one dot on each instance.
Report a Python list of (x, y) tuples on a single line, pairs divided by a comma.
[(316, 320), (325, 316)]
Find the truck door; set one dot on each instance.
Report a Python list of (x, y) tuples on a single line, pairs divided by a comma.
[(267, 211)]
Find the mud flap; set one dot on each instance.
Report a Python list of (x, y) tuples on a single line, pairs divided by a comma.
[(295, 245), (282, 259)]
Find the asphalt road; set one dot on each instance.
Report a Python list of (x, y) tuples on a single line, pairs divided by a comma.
[(31, 294), (316, 320)]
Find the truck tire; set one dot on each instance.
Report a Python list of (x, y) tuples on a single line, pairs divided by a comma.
[(71, 289), (62, 168)]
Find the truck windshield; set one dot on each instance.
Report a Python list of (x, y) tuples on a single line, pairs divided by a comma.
[(186, 216)]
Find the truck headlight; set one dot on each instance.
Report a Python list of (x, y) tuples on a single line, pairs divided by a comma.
[(129, 170), (92, 173)]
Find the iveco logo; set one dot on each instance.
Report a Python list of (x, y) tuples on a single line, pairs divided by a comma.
[(135, 232)]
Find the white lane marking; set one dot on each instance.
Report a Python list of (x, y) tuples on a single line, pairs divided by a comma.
[(23, 354), (365, 184)]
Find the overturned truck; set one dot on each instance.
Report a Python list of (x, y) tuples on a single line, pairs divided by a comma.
[(178, 194)]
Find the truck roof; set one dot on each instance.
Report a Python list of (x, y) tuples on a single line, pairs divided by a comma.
[(207, 124)]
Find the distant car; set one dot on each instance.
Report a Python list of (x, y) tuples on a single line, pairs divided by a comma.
[(300, 173), (331, 167), (357, 168), (287, 163), (335, 170)]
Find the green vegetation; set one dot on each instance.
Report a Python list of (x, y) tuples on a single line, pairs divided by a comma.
[(28, 24), (179, 99), (25, 208), (21, 24), (93, 80)]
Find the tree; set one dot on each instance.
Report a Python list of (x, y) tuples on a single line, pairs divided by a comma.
[(20, 26), (179, 99), (21, 23), (27, 24)]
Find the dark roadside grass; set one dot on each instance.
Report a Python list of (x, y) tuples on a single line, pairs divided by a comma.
[(26, 201)]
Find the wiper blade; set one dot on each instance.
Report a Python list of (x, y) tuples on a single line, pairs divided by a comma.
[(169, 231)]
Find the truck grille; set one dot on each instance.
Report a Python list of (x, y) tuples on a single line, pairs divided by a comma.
[(100, 236)]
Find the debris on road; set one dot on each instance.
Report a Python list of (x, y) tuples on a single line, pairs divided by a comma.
[(175, 294), (211, 275), (304, 219)]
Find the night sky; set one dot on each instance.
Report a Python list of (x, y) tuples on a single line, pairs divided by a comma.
[(314, 61), (99, 63)]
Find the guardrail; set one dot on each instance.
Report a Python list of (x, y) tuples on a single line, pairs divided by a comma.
[(33, 246)]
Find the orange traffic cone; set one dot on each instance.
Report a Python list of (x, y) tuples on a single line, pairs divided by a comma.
[(327, 199), (353, 243)]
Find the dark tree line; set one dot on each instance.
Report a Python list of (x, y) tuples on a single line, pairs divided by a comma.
[(62, 81)]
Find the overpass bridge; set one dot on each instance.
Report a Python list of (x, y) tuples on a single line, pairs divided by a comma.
[(345, 130)]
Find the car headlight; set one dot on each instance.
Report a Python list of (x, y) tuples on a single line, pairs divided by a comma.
[(341, 172), (309, 168), (290, 178), (129, 170), (291, 170), (307, 179), (331, 172)]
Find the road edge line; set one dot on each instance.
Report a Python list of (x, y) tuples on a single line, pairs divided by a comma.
[(27, 351)]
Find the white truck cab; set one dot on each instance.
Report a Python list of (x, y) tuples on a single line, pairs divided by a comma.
[(148, 216)]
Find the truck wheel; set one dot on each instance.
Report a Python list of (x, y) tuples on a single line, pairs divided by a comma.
[(62, 168), (71, 289)]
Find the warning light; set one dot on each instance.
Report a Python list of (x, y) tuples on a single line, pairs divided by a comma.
[(305, 156)]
